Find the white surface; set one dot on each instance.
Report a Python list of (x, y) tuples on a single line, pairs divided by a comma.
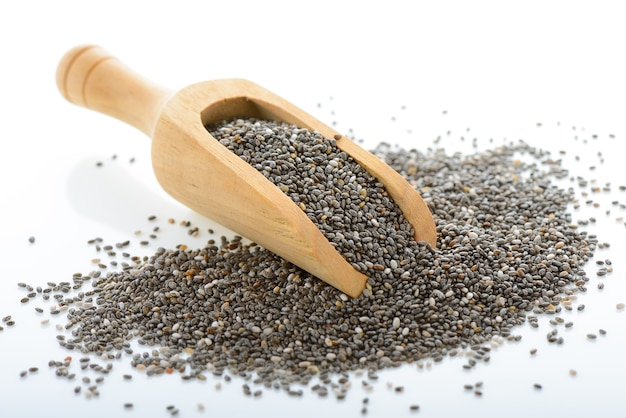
[(497, 69)]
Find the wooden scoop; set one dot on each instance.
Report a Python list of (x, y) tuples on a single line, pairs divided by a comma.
[(207, 177)]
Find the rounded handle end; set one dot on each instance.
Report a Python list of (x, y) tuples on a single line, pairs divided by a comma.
[(74, 69), (89, 76)]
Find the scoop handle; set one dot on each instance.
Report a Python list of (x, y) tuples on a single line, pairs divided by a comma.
[(91, 77)]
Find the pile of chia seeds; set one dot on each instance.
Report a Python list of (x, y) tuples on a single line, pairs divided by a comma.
[(507, 251)]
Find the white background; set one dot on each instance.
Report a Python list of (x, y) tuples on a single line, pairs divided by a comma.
[(385, 71)]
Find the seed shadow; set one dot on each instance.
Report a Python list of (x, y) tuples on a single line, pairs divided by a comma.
[(113, 195)]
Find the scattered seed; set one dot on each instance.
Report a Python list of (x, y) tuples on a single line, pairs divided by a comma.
[(237, 291)]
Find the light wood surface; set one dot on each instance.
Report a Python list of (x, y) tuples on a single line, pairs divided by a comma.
[(201, 173)]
